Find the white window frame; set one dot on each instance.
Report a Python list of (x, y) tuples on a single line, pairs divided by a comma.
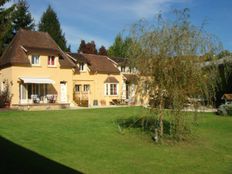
[(37, 63), (86, 88), (50, 61), (82, 67), (108, 89), (123, 69), (79, 88)]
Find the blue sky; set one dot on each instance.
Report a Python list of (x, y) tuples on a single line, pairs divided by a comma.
[(102, 20)]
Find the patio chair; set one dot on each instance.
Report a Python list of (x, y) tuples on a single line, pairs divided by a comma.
[(35, 98), (51, 98)]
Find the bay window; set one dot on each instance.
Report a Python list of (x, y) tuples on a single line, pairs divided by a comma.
[(111, 89)]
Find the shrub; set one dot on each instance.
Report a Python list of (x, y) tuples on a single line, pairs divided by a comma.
[(5, 96), (225, 109)]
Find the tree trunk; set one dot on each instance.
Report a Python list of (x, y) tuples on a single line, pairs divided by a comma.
[(161, 118)]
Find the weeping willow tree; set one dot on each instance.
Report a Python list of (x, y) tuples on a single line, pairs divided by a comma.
[(169, 56)]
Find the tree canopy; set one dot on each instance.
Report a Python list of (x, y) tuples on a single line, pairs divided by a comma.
[(5, 25), (22, 17), (167, 56), (102, 51), (49, 23), (88, 48), (120, 47)]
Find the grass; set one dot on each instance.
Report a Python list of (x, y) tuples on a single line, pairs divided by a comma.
[(90, 141)]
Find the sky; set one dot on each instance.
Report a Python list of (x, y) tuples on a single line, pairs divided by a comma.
[(102, 20)]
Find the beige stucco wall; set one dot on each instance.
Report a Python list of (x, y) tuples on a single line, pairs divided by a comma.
[(55, 73), (95, 80), (97, 87)]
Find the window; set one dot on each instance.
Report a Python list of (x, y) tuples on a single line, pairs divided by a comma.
[(95, 102), (107, 89), (111, 89), (123, 68), (86, 88), (51, 60), (35, 60), (82, 66), (77, 88)]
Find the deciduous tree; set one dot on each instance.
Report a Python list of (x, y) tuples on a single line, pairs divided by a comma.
[(167, 56), (102, 51), (88, 48)]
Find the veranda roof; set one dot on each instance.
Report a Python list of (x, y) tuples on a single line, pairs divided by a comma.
[(37, 80)]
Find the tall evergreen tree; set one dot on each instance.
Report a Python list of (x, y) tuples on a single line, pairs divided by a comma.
[(22, 17), (5, 25), (102, 51), (49, 23), (69, 48), (116, 50)]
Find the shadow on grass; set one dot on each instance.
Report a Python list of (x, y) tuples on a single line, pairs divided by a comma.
[(147, 124), (15, 159)]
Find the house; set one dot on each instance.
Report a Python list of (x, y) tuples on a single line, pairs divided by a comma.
[(99, 82), (41, 75), (130, 77), (37, 70)]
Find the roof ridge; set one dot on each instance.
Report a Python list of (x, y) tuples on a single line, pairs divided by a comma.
[(31, 31)]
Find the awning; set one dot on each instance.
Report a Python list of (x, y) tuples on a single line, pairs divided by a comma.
[(37, 80)]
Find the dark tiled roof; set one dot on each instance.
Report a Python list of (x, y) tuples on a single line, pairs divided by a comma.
[(131, 78), (26, 42), (111, 80), (121, 61), (97, 63), (80, 58)]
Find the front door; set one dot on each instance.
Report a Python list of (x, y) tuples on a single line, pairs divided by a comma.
[(63, 92), (23, 94)]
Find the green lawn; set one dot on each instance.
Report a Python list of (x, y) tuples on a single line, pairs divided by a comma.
[(89, 141)]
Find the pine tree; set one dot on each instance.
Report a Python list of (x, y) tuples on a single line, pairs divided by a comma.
[(49, 23), (116, 50), (22, 17), (102, 51), (5, 25), (69, 48)]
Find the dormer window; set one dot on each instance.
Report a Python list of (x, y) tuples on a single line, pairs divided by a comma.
[(51, 60), (35, 60), (82, 66)]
